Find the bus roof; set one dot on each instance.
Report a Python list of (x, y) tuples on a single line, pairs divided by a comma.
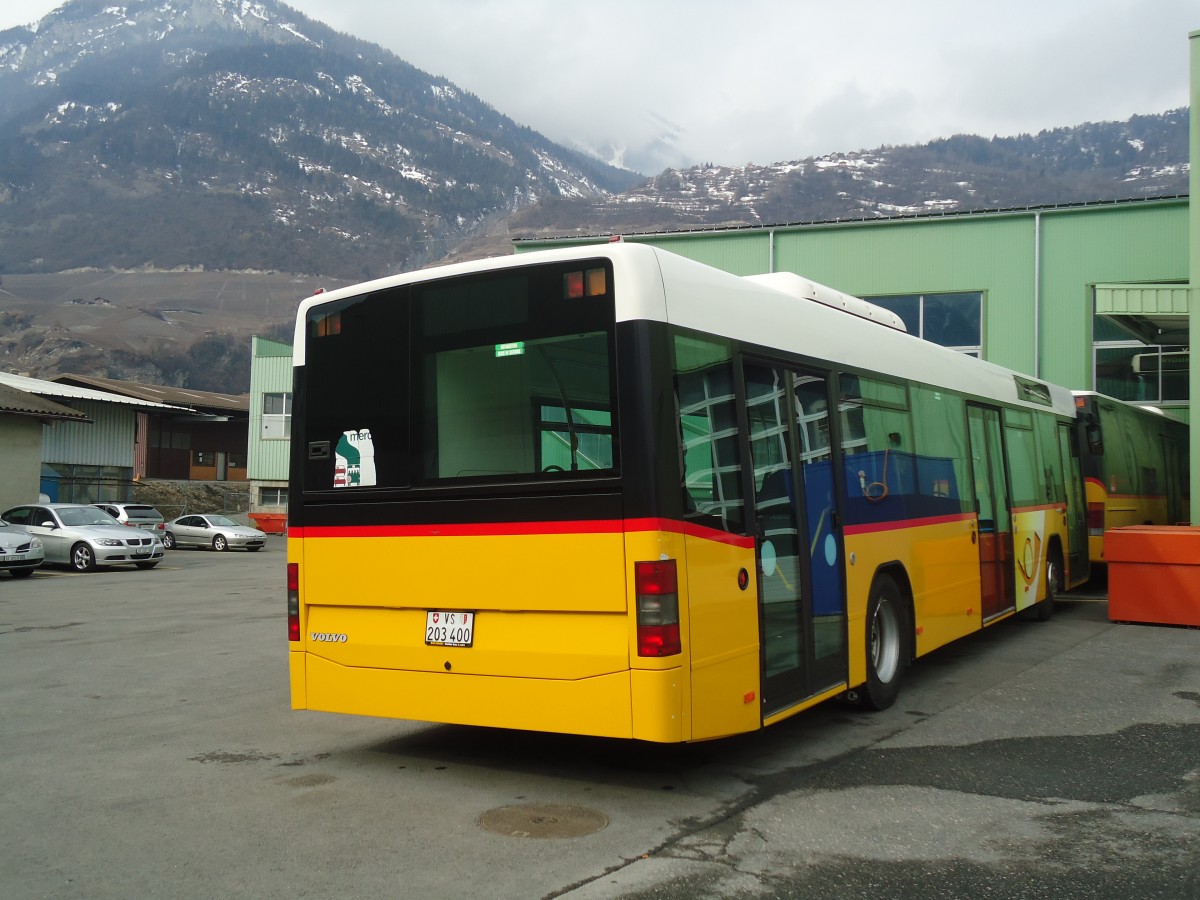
[(656, 285)]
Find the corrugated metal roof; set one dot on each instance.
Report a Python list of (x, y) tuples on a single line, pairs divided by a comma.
[(156, 393), (22, 403), (528, 244), (53, 389)]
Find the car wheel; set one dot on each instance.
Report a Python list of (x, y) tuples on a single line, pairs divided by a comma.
[(219, 543), (83, 558), (146, 565), (168, 540), (21, 573)]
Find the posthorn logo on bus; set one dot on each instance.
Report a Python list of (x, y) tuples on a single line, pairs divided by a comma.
[(327, 637)]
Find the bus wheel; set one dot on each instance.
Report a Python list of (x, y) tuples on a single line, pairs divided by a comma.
[(887, 644), (1044, 610)]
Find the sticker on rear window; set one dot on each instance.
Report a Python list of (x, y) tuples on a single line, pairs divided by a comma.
[(354, 459)]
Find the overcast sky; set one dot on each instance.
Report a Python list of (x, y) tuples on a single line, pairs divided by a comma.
[(658, 83)]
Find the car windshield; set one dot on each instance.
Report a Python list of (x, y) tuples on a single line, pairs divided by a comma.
[(223, 521), (85, 515)]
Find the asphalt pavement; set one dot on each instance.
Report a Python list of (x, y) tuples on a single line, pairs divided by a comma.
[(147, 749)]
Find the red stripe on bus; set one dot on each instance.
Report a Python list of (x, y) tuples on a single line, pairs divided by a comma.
[(896, 524), (1112, 495), (690, 529), (502, 529), (1053, 507)]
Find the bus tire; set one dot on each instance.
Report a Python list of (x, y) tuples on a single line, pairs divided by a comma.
[(1044, 610), (888, 638)]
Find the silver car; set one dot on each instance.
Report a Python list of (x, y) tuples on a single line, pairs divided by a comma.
[(138, 515), (215, 531), (83, 537), (20, 552)]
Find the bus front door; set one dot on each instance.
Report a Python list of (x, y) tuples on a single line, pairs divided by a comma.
[(802, 601), (995, 519)]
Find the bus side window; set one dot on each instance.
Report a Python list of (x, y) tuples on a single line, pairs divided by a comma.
[(708, 433)]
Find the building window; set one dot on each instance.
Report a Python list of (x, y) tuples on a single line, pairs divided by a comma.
[(204, 459), (277, 417), (1129, 369), (272, 496), (952, 320)]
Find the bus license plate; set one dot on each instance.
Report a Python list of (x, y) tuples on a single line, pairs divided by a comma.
[(449, 629)]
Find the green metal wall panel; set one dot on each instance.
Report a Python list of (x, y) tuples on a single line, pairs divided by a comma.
[(1036, 268), (1149, 300), (1093, 245), (740, 252), (270, 373), (993, 255)]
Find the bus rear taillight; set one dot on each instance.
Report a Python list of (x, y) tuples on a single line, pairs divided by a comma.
[(293, 601), (1095, 518), (657, 587)]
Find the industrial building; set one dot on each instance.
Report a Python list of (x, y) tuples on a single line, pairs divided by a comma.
[(1091, 296)]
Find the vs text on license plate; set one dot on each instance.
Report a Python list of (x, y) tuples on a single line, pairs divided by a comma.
[(449, 629)]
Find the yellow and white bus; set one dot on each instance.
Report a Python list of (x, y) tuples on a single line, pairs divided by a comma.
[(611, 491), (1135, 465)]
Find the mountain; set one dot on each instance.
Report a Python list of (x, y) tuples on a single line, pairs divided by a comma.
[(175, 175), (1145, 156), (219, 133)]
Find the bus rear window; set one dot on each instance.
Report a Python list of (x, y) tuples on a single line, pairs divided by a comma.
[(507, 375), (516, 375), (518, 408)]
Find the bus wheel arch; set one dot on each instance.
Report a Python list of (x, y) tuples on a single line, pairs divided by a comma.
[(889, 637)]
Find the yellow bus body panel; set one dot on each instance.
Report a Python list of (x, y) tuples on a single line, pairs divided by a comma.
[(656, 697), (1121, 510), (555, 638), (594, 706), (941, 562), (299, 684), (469, 572), (1033, 532), (724, 638)]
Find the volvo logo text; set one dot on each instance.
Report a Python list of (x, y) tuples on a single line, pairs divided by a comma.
[(327, 637)]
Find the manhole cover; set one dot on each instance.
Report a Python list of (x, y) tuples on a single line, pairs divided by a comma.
[(543, 820)]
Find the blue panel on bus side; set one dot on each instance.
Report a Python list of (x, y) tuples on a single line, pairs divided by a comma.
[(824, 548), (891, 486)]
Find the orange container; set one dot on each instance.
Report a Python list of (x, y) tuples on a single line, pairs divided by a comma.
[(270, 523), (1154, 574)]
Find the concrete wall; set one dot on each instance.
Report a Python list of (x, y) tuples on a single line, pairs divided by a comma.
[(21, 452)]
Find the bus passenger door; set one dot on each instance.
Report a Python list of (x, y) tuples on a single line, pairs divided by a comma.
[(997, 578), (799, 541), (1077, 529)]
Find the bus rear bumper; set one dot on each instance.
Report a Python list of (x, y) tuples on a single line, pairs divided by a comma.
[(599, 705)]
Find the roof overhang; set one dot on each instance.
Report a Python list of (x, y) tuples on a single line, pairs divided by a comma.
[(1153, 314)]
